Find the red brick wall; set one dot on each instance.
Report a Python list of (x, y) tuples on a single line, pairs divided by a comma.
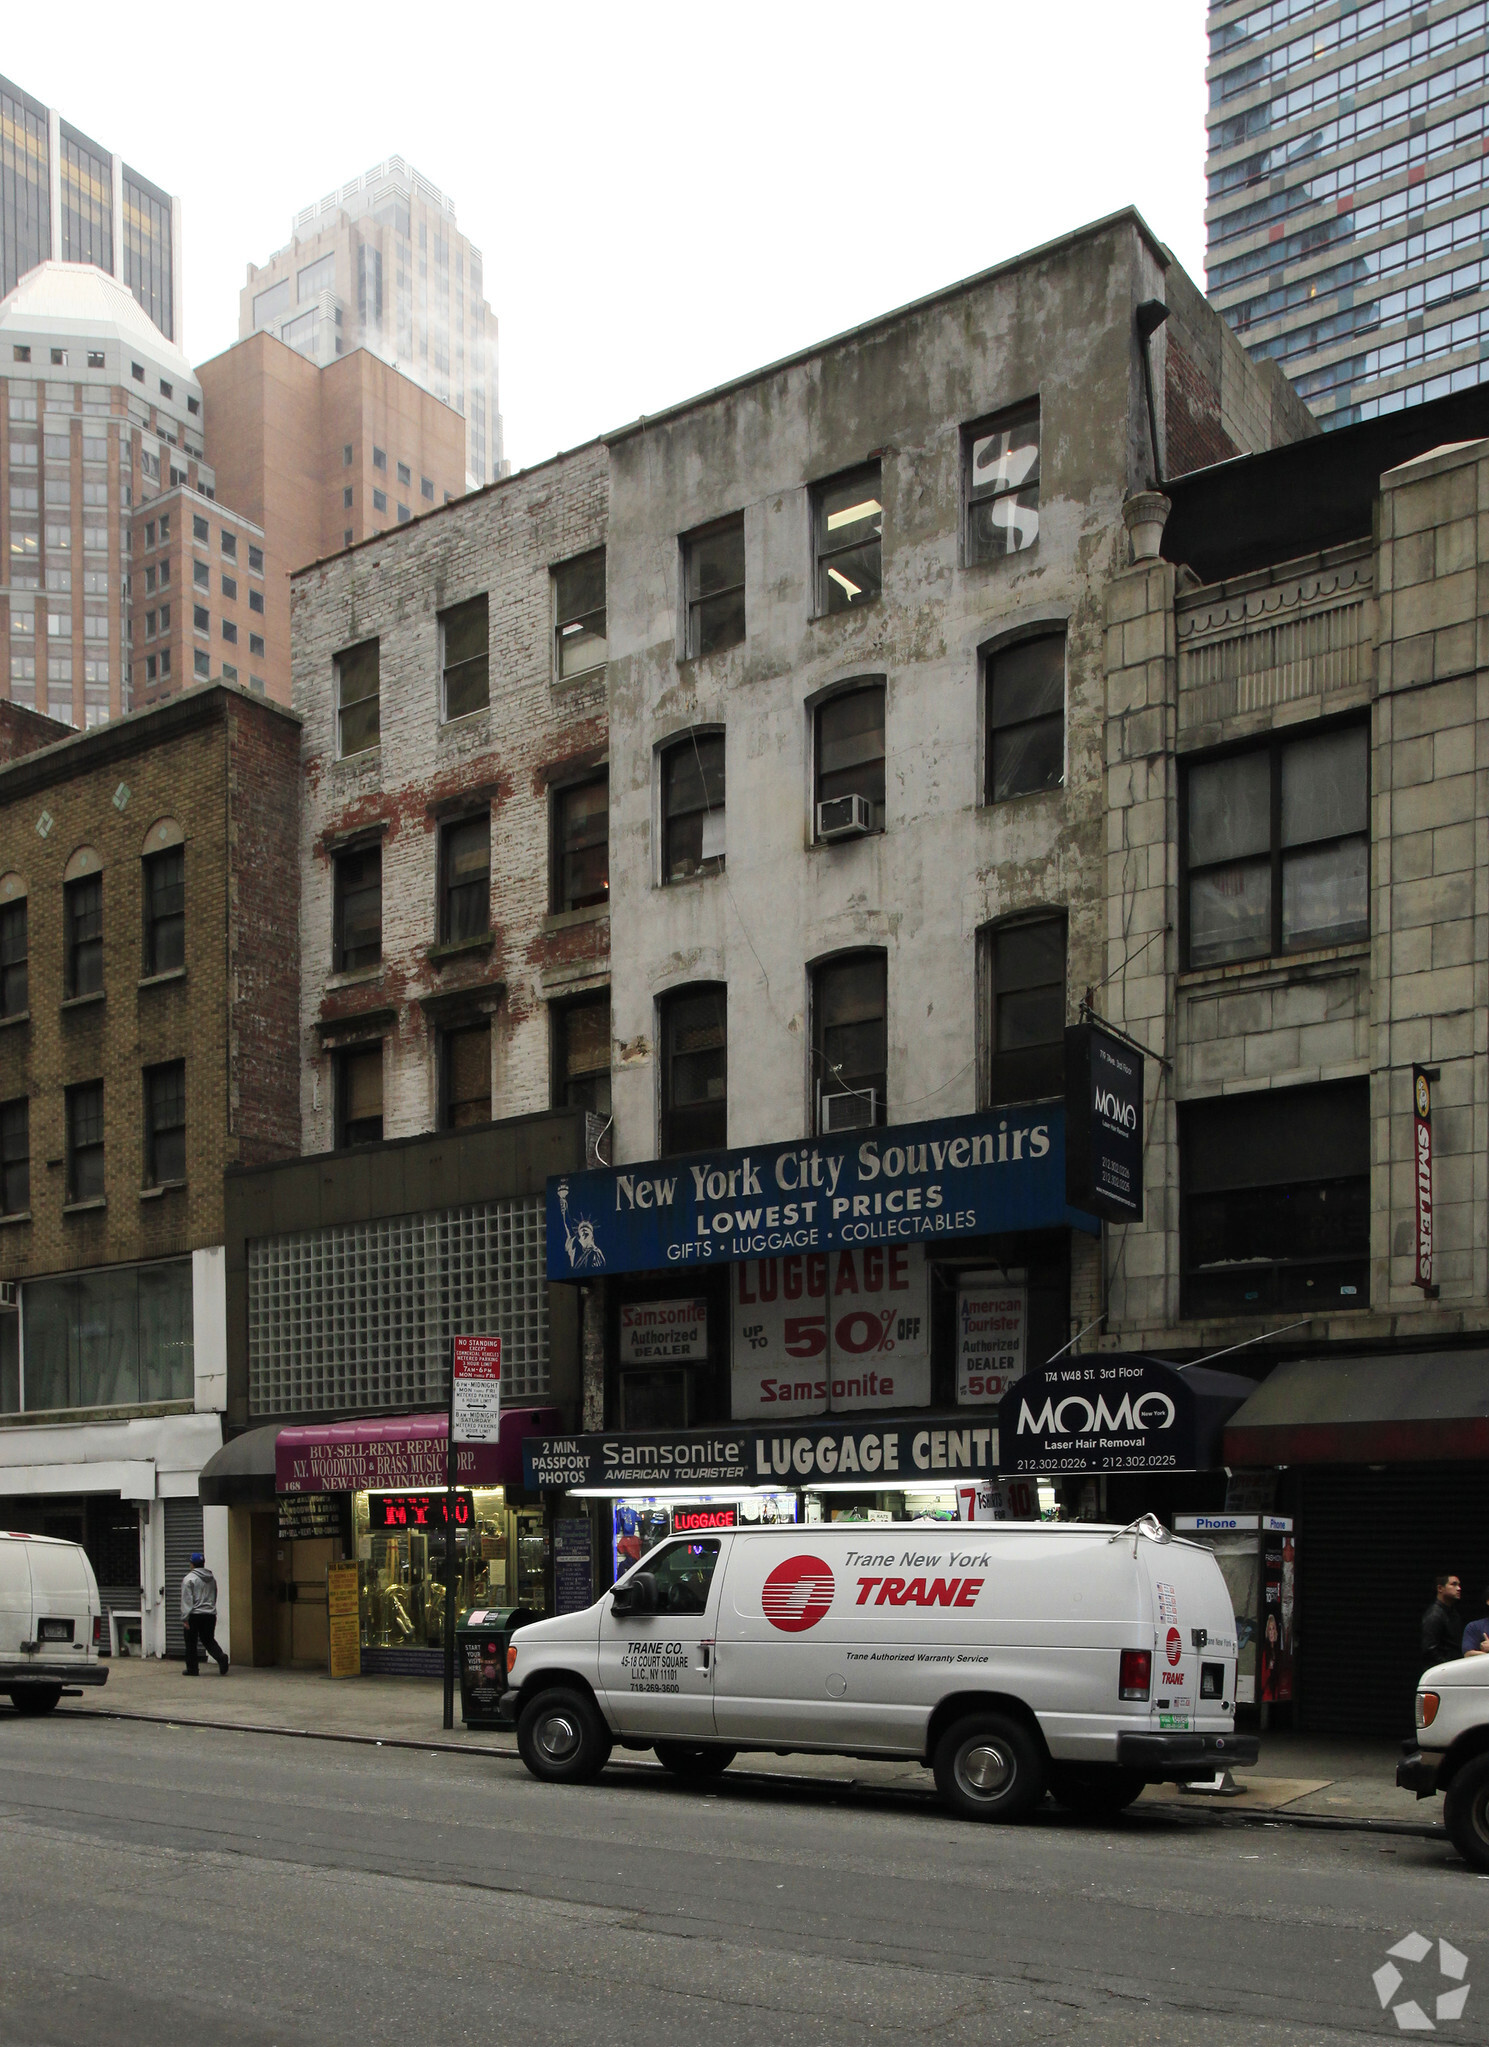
[(1195, 438), (263, 770), (22, 731)]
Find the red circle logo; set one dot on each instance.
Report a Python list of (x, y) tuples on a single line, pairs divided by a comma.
[(797, 1594), (1175, 1645)]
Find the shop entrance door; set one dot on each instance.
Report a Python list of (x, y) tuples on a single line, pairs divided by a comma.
[(656, 1669)]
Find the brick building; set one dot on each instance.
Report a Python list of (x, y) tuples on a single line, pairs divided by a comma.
[(454, 1043), (319, 456), (1297, 922), (149, 991)]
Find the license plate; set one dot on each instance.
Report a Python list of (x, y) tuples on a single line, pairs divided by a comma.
[(54, 1631)]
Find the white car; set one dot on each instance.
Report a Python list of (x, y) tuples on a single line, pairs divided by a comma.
[(1452, 1752), (1010, 1658), (51, 1621)]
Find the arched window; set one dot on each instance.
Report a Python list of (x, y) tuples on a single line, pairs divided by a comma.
[(1021, 1009), (82, 924), (695, 1068), (693, 806), (850, 1040), (163, 861), (1025, 717)]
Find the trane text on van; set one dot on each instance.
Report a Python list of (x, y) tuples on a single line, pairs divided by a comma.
[(1081, 1660)]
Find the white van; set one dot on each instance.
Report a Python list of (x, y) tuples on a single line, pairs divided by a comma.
[(1012, 1658), (51, 1621)]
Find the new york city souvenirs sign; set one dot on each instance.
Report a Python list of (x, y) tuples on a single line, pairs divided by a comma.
[(904, 1184)]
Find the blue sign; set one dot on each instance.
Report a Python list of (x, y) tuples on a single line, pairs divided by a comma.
[(966, 1176)]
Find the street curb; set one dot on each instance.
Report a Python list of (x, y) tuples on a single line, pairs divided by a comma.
[(1325, 1823)]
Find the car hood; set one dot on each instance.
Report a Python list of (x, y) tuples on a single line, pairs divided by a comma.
[(1466, 1672)]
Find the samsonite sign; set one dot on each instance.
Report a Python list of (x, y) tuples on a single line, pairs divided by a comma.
[(932, 1449), (818, 1330), (910, 1183)]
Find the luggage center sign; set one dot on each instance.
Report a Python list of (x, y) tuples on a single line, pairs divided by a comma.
[(907, 1183), (931, 1449)]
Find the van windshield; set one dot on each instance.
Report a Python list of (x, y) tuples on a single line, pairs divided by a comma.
[(683, 1574)]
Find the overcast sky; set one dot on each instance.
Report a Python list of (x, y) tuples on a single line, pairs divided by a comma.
[(664, 196)]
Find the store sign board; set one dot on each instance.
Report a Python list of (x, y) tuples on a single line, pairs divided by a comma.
[(476, 1370), (821, 1330), (573, 1565), (1104, 1124), (308, 1515), (344, 1618), (923, 1452), (994, 1499), (1098, 1414), (663, 1332), (992, 1331), (1421, 1126), (905, 1184)]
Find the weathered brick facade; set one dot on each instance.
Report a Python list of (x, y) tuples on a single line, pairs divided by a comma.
[(425, 771)]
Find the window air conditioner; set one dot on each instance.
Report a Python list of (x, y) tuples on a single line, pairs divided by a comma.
[(847, 1111), (844, 817)]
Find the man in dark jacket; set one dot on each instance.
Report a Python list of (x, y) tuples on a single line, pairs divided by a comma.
[(1442, 1633)]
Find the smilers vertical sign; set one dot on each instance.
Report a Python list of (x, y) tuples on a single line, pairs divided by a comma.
[(1421, 1147), (1104, 1124)]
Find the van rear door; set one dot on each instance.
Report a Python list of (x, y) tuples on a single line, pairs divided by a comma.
[(62, 1601), (1193, 1627)]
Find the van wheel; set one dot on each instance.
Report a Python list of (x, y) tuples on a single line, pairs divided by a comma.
[(1466, 1812), (1097, 1789), (989, 1768), (562, 1738), (34, 1699), (694, 1761)]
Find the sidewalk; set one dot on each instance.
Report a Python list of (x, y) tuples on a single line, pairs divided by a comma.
[(1299, 1776)]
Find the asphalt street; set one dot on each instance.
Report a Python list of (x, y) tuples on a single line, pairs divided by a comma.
[(166, 1884)]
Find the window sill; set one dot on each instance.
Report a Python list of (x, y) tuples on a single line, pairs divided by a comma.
[(22, 1215), (22, 1016), (584, 675), (849, 839), (364, 754), (692, 880), (160, 980), (566, 920), (852, 611), (82, 1001), (165, 1187), (973, 563), (355, 977), (85, 1207), (687, 661), (460, 948), (990, 804), (1271, 963), (462, 718)]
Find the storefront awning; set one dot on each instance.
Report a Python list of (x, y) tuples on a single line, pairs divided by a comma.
[(241, 1473), (1409, 1408), (401, 1450)]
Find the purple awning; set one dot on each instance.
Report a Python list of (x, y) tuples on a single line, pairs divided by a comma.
[(401, 1450)]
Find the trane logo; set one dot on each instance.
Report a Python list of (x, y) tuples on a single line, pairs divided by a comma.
[(1077, 1416), (797, 1594), (1116, 1110)]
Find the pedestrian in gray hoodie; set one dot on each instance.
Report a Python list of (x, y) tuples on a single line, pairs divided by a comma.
[(199, 1614)]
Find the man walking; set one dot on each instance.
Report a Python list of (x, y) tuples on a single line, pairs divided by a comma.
[(199, 1614), (1442, 1632)]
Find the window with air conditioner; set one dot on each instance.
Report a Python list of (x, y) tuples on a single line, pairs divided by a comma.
[(849, 755), (850, 1041)]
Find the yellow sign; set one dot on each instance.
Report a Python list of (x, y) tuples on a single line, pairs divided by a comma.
[(343, 1607)]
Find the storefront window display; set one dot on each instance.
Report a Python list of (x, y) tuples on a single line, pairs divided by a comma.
[(640, 1521), (500, 1558)]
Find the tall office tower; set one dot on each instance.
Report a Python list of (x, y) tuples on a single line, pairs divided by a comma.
[(1349, 195), (100, 434), (65, 199), (381, 265)]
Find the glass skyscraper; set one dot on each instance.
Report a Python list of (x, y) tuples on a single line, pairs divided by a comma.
[(1349, 195)]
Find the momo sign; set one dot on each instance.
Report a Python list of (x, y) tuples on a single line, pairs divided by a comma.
[(1098, 1414), (906, 1184), (1104, 1112)]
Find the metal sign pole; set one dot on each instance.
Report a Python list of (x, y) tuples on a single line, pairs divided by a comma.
[(450, 1465)]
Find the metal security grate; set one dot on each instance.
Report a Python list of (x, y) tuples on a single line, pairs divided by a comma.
[(359, 1316)]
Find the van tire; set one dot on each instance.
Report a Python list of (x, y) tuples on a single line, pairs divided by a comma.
[(694, 1761), (1466, 1812), (988, 1767), (1096, 1789), (32, 1700), (561, 1736)]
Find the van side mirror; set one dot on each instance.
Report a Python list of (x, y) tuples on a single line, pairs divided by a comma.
[(637, 1595)]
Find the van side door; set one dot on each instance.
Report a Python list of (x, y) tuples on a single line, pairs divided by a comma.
[(656, 1668)]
